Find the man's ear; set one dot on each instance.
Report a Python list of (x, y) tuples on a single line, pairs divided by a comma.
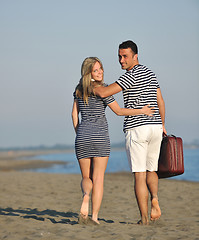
[(135, 57)]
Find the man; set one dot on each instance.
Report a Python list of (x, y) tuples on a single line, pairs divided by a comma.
[(143, 134)]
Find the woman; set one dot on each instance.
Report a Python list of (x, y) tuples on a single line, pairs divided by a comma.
[(92, 144)]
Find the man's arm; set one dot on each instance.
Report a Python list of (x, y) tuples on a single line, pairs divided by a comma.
[(147, 110), (107, 91), (161, 106)]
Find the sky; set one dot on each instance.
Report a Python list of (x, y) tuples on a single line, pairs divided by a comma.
[(44, 42)]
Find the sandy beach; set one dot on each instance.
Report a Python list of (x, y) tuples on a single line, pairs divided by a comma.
[(46, 206), (21, 160)]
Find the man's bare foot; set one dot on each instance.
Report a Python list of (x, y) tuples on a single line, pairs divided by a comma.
[(143, 221), (155, 209), (85, 206), (140, 222)]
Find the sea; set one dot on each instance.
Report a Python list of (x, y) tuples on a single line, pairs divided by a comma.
[(117, 163)]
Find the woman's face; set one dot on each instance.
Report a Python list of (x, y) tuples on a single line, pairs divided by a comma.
[(97, 72)]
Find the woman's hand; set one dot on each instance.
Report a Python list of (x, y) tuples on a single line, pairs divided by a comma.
[(147, 110)]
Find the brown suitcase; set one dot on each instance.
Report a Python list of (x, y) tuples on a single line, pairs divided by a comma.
[(171, 160)]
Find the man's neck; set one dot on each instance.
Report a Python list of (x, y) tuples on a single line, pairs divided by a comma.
[(136, 63)]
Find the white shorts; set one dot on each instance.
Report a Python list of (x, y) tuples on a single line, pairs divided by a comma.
[(143, 147)]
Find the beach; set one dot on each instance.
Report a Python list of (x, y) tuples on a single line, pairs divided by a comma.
[(46, 206)]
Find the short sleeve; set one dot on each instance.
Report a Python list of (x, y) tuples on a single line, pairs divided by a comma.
[(126, 81), (74, 95), (156, 82), (109, 100)]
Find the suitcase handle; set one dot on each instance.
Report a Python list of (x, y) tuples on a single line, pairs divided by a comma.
[(171, 135)]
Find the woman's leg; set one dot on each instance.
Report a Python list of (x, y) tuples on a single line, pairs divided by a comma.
[(99, 167), (86, 184)]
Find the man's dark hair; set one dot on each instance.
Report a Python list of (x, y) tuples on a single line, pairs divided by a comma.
[(129, 44)]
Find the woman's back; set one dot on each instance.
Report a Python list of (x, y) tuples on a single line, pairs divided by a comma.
[(92, 137)]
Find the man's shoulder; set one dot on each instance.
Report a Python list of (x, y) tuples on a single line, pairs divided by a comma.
[(140, 67), (143, 71), (136, 70)]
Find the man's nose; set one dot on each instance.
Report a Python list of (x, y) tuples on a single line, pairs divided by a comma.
[(121, 59)]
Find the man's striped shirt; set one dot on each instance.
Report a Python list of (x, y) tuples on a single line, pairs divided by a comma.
[(139, 89)]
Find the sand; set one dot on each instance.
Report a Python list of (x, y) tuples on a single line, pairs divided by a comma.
[(46, 206), (21, 160)]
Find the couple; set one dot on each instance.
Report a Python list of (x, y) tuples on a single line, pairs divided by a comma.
[(143, 127)]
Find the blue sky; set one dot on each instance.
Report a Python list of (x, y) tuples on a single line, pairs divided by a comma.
[(43, 44)]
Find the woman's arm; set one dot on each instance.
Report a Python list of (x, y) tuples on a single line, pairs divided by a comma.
[(75, 115), (114, 106)]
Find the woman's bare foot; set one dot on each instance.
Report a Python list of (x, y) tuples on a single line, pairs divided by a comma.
[(96, 222), (95, 218), (155, 209), (85, 206), (83, 219)]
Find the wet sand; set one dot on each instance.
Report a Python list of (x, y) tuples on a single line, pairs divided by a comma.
[(46, 206), (21, 160)]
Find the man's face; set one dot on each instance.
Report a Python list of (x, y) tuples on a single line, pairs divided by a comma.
[(126, 58)]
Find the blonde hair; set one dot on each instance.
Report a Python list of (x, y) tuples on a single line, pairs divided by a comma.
[(85, 87)]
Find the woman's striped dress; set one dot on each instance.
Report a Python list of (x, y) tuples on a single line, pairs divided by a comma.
[(92, 139)]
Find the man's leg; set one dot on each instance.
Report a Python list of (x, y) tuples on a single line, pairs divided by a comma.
[(136, 148), (152, 165), (152, 183), (141, 193)]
